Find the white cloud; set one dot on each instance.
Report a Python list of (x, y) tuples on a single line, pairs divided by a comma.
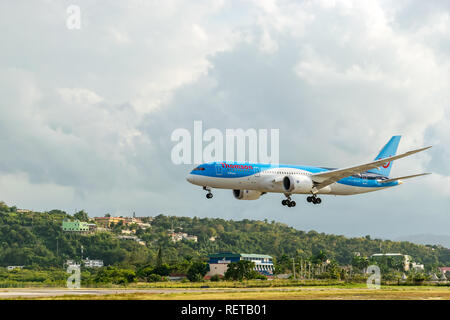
[(18, 190), (87, 114), (79, 96)]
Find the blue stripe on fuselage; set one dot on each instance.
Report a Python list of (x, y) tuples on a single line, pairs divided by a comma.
[(241, 170)]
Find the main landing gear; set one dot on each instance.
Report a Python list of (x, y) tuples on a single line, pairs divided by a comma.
[(288, 202), (209, 195), (314, 199)]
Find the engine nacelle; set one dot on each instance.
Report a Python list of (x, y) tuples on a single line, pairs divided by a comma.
[(297, 184), (246, 194)]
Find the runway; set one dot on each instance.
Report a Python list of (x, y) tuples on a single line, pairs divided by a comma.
[(50, 292), (283, 293), (9, 293)]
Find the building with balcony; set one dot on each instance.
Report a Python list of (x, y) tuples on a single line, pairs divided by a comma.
[(218, 262), (75, 226)]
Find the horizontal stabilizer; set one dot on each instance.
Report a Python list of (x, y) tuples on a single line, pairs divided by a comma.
[(325, 178), (405, 177)]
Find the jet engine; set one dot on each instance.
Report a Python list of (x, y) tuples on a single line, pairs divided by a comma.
[(246, 194), (297, 184)]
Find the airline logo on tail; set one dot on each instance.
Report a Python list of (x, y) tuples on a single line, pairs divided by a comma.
[(389, 150)]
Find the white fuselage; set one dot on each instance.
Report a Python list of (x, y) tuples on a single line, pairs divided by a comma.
[(271, 181)]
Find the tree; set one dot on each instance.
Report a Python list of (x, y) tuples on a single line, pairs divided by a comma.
[(159, 257), (163, 270), (419, 278), (36, 237), (3, 207), (197, 271), (360, 263), (215, 278), (145, 272), (334, 271), (81, 215), (115, 275), (240, 270), (319, 258), (154, 278), (282, 264)]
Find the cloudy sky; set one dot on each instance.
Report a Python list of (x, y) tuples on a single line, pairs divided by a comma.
[(86, 114)]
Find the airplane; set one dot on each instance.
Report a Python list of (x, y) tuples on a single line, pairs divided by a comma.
[(249, 181)]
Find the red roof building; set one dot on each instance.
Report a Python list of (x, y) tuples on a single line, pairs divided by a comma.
[(444, 269)]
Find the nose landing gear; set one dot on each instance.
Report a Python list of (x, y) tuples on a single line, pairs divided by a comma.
[(314, 199), (209, 195)]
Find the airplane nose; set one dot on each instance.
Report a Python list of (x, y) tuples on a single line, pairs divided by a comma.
[(190, 178)]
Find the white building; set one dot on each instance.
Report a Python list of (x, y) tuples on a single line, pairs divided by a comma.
[(417, 267), (128, 232), (93, 263), (218, 262), (10, 268), (134, 238), (144, 225), (72, 263), (178, 236)]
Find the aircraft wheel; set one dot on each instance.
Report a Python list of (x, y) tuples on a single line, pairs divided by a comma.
[(284, 202), (309, 199), (318, 200), (293, 204), (209, 195)]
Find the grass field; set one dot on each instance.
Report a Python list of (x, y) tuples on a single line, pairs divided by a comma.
[(288, 293)]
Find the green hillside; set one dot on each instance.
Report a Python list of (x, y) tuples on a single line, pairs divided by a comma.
[(36, 239)]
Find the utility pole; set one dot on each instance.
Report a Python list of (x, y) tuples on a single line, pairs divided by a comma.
[(301, 268), (293, 266)]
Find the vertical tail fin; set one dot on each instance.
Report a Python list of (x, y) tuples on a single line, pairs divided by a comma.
[(390, 149)]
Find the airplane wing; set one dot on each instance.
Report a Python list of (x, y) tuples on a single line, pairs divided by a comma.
[(323, 179), (405, 177)]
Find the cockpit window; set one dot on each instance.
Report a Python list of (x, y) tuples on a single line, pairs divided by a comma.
[(199, 169)]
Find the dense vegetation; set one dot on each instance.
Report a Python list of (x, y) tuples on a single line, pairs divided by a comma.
[(36, 240)]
